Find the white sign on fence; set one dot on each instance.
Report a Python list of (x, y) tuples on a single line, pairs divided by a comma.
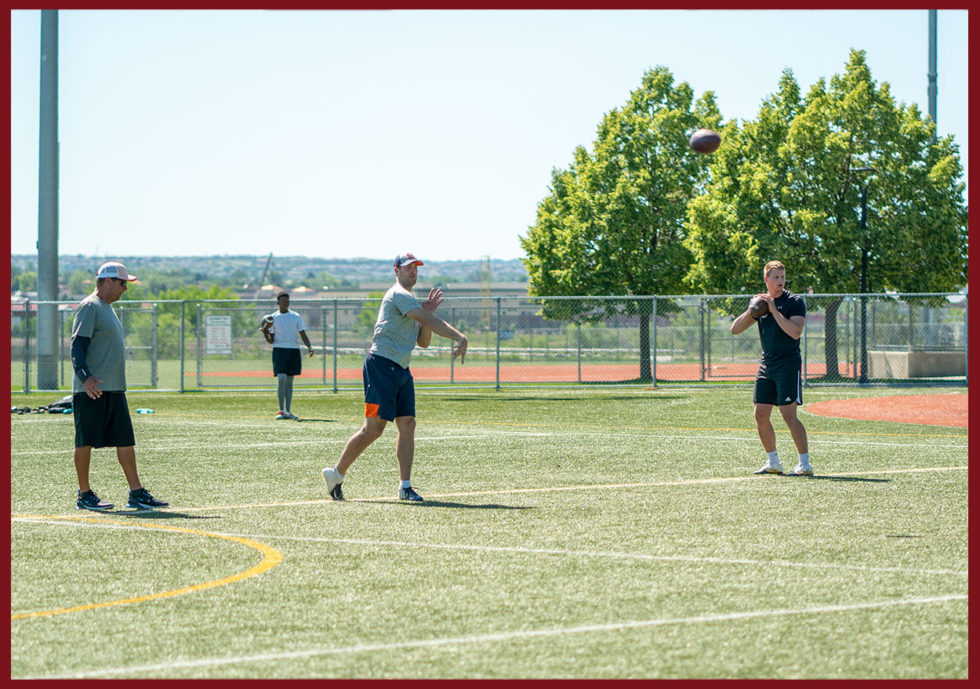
[(217, 334)]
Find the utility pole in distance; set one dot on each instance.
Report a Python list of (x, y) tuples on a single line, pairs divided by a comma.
[(47, 207)]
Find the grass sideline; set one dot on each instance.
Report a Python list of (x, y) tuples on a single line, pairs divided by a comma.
[(565, 534)]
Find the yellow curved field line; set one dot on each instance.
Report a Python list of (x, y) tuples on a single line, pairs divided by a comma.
[(270, 558)]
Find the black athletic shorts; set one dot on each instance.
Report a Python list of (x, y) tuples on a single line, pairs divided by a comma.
[(389, 389), (779, 385), (285, 360), (103, 422)]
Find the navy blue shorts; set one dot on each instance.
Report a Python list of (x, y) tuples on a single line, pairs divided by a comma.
[(779, 386), (103, 422), (286, 360), (389, 389)]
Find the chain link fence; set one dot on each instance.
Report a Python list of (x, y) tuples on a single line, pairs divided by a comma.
[(874, 339)]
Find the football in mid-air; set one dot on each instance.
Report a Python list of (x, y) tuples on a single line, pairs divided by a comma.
[(705, 140), (758, 307)]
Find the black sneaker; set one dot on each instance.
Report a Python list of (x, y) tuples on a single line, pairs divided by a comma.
[(142, 500), (409, 494), (90, 501)]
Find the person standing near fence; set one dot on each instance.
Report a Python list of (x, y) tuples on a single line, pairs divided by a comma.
[(779, 381), (389, 389), (98, 356), (282, 329)]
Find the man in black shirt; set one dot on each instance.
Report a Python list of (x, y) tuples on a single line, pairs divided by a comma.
[(779, 381)]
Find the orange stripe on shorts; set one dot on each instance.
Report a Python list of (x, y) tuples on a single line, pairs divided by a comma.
[(371, 410)]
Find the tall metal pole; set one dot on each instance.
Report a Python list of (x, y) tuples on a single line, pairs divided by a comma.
[(933, 75), (864, 285), (47, 207)]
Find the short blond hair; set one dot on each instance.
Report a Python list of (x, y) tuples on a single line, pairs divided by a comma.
[(772, 265)]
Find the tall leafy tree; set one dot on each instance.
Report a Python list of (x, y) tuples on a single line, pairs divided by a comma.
[(613, 222), (783, 186)]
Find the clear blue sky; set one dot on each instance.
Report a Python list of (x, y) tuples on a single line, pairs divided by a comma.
[(348, 133)]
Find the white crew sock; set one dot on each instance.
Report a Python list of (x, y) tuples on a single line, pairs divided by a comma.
[(405, 484), (340, 474), (773, 457), (805, 459)]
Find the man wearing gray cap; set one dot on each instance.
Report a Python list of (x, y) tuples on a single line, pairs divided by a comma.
[(389, 389), (98, 355)]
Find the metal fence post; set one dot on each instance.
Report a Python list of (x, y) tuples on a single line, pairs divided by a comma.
[(805, 384), (27, 347), (323, 339), (653, 339), (61, 346), (154, 379), (966, 340), (701, 335), (183, 310), (452, 359), (335, 345), (578, 347), (197, 346), (498, 344)]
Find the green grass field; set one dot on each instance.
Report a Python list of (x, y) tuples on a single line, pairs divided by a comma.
[(565, 534)]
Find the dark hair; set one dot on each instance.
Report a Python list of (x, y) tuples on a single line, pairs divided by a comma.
[(99, 281), (281, 295)]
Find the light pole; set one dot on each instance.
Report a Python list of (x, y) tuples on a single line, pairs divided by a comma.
[(863, 378)]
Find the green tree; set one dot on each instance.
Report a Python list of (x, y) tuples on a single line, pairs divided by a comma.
[(168, 314), (613, 222), (368, 315), (26, 281), (783, 187), (80, 282)]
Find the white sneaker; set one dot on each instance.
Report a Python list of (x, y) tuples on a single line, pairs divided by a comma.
[(332, 478), (770, 468), (803, 470)]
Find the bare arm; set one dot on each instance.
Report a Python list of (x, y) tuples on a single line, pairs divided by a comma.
[(430, 304), (441, 327), (791, 326), (306, 341), (742, 323)]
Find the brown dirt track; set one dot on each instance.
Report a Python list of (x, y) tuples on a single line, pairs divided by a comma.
[(934, 410)]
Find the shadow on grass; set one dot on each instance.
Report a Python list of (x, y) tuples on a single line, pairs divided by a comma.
[(157, 515), (317, 420), (442, 503), (835, 478)]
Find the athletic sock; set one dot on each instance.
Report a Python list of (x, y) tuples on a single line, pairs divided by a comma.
[(805, 459), (405, 484), (340, 475), (773, 457)]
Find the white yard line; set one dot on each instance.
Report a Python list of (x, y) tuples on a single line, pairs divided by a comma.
[(500, 637), (533, 551)]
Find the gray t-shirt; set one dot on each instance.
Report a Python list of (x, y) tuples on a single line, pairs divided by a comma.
[(106, 354), (394, 332)]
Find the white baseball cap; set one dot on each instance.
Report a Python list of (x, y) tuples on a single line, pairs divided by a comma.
[(114, 269), (406, 259)]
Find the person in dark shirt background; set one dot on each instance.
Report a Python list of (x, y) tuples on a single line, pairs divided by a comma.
[(779, 381)]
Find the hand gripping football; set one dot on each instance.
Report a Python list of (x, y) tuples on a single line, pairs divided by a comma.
[(758, 307)]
